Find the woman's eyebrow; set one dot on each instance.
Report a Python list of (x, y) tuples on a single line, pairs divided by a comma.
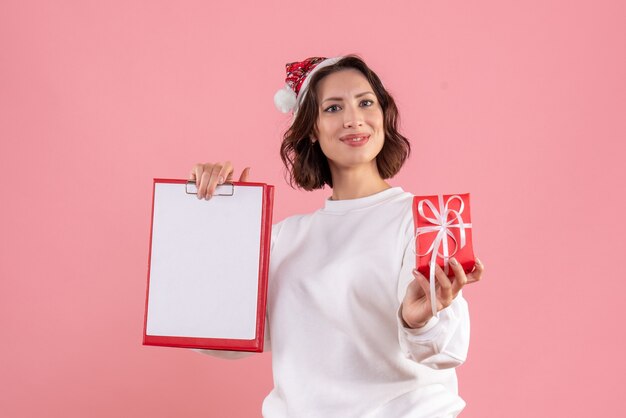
[(339, 99)]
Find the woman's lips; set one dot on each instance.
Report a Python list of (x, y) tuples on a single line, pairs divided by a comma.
[(355, 140)]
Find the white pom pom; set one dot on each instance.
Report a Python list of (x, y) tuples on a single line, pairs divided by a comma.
[(285, 99)]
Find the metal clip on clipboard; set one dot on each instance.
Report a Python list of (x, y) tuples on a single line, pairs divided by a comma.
[(226, 189)]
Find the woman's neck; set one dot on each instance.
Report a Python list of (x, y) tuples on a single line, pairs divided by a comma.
[(357, 182)]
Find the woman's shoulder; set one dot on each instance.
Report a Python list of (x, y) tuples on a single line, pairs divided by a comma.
[(289, 227), (291, 221), (401, 208), (402, 200)]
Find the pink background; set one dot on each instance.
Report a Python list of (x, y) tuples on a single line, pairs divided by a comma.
[(520, 103)]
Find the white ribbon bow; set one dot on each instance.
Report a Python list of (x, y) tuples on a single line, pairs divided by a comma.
[(441, 225)]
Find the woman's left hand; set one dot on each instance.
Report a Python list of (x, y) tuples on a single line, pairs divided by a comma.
[(416, 306)]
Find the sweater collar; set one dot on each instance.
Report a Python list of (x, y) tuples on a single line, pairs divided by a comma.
[(337, 206)]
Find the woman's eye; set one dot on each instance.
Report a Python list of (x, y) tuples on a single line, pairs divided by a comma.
[(331, 109), (367, 103)]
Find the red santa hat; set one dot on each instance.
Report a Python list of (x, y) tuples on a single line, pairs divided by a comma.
[(297, 82)]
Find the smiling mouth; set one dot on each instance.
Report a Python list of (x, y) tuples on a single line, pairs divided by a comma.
[(354, 138)]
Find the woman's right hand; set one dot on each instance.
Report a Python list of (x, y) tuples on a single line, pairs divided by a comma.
[(208, 175)]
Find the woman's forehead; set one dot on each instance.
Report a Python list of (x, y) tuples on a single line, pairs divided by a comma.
[(348, 82)]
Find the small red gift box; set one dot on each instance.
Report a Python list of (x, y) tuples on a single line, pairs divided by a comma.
[(443, 230)]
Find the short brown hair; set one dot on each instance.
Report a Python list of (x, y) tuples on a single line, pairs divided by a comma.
[(306, 163)]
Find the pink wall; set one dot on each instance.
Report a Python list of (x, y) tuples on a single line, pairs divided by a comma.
[(520, 103)]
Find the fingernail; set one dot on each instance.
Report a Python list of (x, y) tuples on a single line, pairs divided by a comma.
[(453, 261), (220, 180), (480, 263)]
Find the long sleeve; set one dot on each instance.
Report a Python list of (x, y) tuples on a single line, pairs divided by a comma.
[(443, 342), (236, 355)]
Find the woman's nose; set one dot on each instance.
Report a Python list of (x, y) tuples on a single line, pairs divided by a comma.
[(352, 118)]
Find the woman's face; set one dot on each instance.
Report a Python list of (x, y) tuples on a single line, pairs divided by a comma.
[(350, 121)]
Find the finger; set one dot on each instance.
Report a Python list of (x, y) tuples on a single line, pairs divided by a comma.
[(413, 292), (423, 282), (446, 286), (477, 273), (192, 175), (226, 169), (194, 178), (212, 184), (471, 279), (195, 174), (425, 285), (199, 171), (460, 279), (245, 174), (205, 179)]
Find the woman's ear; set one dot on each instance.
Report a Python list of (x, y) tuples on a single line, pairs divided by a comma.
[(313, 135)]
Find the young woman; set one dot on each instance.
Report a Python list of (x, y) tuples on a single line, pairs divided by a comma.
[(350, 323)]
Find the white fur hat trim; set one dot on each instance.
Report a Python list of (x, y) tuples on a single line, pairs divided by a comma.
[(285, 99)]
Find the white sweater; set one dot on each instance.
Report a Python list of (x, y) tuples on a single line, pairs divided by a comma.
[(337, 278)]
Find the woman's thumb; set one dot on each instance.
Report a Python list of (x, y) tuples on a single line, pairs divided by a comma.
[(245, 174)]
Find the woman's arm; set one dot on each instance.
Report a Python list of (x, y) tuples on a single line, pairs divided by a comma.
[(207, 177), (437, 342)]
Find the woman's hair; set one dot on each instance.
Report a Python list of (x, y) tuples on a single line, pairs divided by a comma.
[(306, 163)]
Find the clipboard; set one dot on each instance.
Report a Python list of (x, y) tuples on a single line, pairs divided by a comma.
[(208, 266)]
